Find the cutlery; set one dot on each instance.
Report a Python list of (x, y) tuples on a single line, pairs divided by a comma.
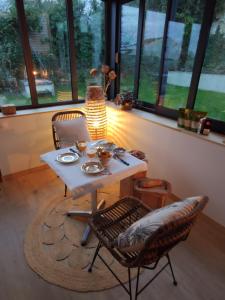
[(74, 151), (123, 161)]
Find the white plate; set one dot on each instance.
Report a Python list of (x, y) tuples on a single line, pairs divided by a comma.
[(92, 167), (67, 158)]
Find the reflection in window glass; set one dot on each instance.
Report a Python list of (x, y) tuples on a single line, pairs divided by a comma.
[(12, 68), (182, 40), (211, 89), (48, 35), (155, 15), (89, 38), (129, 27)]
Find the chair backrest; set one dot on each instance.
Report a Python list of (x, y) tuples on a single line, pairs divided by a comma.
[(63, 116), (169, 235)]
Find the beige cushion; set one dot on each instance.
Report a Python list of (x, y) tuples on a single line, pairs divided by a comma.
[(70, 131), (133, 239)]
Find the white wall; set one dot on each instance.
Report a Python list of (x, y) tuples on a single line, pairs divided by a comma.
[(192, 165), (23, 139)]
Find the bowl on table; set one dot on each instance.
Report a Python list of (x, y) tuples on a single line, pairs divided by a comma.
[(104, 156)]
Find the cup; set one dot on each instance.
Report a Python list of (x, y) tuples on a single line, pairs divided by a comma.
[(91, 153), (81, 146)]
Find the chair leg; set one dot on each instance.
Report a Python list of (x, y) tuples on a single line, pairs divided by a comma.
[(65, 193), (94, 258), (137, 283), (169, 261), (129, 278)]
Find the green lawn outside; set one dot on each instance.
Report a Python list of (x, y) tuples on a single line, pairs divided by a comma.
[(176, 97), (20, 100)]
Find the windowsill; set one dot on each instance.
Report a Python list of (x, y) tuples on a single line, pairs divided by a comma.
[(213, 137), (41, 110)]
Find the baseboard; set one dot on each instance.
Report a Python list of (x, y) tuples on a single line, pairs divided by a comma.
[(25, 172)]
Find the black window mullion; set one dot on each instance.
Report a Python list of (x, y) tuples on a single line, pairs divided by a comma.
[(141, 19), (72, 49), (112, 42), (201, 49), (118, 45), (162, 77), (27, 51)]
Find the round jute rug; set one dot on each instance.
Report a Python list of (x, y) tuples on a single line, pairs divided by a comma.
[(52, 248)]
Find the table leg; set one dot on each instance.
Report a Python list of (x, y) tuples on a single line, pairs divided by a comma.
[(94, 207)]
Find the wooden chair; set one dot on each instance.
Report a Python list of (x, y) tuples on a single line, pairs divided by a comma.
[(110, 222), (63, 116)]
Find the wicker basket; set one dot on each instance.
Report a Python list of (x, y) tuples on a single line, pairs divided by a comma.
[(152, 192), (8, 109)]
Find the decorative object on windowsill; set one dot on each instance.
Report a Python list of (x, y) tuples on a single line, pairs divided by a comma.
[(205, 126), (8, 109), (189, 119), (127, 100), (95, 107)]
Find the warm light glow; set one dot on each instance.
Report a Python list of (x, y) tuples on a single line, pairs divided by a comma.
[(35, 73), (96, 117)]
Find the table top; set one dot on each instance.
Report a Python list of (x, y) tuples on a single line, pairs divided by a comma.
[(80, 183)]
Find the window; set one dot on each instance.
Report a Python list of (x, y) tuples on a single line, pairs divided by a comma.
[(49, 42), (182, 40), (155, 15), (129, 26), (175, 43), (89, 39), (12, 67), (47, 49), (211, 88)]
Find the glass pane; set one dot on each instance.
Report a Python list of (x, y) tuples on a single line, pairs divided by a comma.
[(182, 40), (155, 15), (129, 27), (48, 35), (89, 39), (12, 68), (211, 89)]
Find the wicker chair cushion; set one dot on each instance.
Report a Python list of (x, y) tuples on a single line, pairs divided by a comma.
[(70, 131), (133, 239)]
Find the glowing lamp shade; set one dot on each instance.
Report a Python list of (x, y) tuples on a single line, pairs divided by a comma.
[(95, 110)]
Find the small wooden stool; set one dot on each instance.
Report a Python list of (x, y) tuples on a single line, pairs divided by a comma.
[(152, 192)]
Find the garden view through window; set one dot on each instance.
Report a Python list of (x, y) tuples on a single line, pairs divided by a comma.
[(129, 25), (155, 15), (211, 89), (182, 40), (48, 32), (172, 53), (12, 67)]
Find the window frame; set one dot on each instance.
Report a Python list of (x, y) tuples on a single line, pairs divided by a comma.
[(206, 23), (27, 55)]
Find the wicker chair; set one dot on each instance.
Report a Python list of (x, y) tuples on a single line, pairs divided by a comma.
[(63, 116), (110, 222)]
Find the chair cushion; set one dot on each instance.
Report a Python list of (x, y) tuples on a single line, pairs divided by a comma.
[(133, 239), (70, 131)]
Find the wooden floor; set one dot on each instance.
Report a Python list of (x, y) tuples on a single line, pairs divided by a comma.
[(199, 263)]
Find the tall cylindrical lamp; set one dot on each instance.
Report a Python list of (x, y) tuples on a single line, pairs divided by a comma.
[(95, 109)]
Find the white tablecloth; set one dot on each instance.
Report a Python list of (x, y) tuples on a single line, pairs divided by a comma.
[(80, 183)]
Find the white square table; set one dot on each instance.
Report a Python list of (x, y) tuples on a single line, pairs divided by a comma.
[(80, 183)]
